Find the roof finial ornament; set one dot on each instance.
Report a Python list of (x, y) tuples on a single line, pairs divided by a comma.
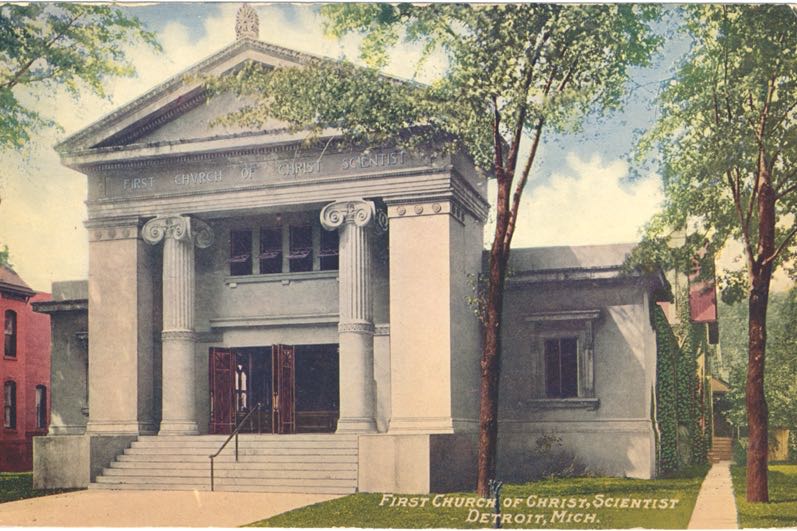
[(246, 23)]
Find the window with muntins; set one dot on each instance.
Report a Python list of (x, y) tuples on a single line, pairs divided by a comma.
[(10, 404), (240, 252), (301, 248), (10, 334), (330, 249), (293, 244), (270, 250), (561, 367)]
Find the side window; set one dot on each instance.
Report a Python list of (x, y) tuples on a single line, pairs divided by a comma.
[(10, 404), (328, 254), (41, 407), (301, 248), (240, 252), (561, 367), (271, 250), (10, 334)]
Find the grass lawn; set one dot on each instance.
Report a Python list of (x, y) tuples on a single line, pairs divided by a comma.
[(553, 503), (781, 511), (19, 485)]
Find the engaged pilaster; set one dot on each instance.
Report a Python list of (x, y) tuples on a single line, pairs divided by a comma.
[(353, 218), (179, 235)]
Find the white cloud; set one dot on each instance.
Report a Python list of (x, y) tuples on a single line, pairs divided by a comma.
[(589, 204)]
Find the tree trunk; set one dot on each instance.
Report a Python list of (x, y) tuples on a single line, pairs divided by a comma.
[(755, 400), (491, 349)]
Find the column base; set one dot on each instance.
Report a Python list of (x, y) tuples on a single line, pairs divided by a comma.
[(114, 427), (356, 425), (178, 427)]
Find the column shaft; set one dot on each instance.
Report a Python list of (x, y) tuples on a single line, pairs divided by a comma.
[(180, 234), (356, 327), (179, 410), (356, 332)]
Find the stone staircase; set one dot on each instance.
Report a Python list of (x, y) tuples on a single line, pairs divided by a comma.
[(721, 449), (307, 463)]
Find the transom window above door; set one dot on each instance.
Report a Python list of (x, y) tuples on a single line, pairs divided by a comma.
[(295, 246)]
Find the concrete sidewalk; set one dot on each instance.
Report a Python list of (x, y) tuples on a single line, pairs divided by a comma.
[(716, 504), (106, 508)]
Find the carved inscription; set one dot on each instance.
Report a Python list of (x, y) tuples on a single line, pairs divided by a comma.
[(138, 183), (290, 167), (198, 178), (375, 160), (251, 172)]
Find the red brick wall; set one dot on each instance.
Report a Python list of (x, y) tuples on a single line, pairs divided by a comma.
[(30, 368)]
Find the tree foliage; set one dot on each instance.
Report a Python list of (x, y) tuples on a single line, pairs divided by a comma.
[(734, 96), (5, 256), (513, 72), (47, 46), (781, 374), (726, 144), (556, 62)]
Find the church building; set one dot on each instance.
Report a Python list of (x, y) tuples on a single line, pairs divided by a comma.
[(317, 298)]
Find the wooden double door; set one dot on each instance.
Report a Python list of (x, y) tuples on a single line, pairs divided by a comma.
[(292, 401)]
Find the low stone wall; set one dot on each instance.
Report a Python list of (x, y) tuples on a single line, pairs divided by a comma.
[(74, 461), (417, 464), (60, 462)]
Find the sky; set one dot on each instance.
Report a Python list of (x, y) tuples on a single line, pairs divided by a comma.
[(579, 192)]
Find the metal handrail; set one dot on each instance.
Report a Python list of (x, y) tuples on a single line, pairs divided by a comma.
[(233, 434)]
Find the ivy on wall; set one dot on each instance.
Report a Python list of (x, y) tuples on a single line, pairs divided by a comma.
[(678, 394), (666, 411)]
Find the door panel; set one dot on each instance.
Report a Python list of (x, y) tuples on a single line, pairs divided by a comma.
[(222, 390), (283, 388)]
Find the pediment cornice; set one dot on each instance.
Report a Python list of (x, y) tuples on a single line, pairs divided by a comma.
[(174, 96)]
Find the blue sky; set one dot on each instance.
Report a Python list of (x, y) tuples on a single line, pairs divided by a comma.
[(579, 192)]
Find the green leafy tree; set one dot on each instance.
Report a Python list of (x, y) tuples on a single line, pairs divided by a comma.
[(514, 72), (5, 259), (726, 145), (780, 377), (47, 46)]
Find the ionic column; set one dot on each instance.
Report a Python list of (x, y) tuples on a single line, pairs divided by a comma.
[(179, 235), (356, 326)]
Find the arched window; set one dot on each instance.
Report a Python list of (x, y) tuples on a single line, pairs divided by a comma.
[(10, 333), (10, 404), (41, 407)]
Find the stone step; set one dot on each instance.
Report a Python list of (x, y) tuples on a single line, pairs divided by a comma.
[(231, 465), (241, 488), (179, 471), (230, 458), (313, 463), (229, 482), (241, 451), (182, 439), (250, 443)]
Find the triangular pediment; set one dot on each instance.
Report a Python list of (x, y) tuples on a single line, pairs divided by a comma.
[(177, 110)]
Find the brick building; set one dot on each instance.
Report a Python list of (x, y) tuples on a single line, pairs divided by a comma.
[(24, 371)]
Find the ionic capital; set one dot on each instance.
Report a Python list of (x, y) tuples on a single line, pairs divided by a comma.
[(179, 228), (356, 211)]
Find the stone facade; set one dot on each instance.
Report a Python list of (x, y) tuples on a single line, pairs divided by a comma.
[(221, 264)]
